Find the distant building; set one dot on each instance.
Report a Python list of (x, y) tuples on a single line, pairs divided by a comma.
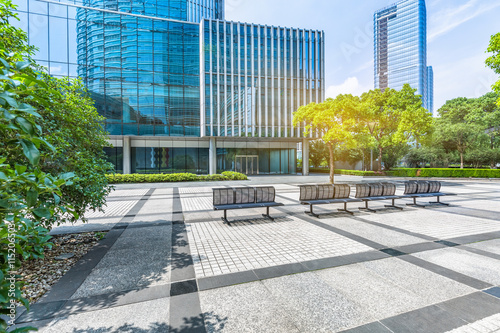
[(401, 49), (182, 89)]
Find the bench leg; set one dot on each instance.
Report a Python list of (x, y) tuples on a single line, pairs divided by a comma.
[(415, 203), (439, 202), (267, 214), (225, 218), (311, 211), (393, 205), (367, 208), (345, 209)]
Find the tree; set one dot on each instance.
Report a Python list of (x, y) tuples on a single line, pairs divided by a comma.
[(318, 153), (335, 120), (51, 166), (494, 60), (397, 117)]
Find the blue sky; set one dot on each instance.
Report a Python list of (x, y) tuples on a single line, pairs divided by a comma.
[(458, 33)]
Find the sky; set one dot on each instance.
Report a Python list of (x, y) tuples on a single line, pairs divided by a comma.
[(458, 34)]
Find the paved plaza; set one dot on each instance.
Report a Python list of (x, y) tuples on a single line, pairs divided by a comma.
[(169, 264)]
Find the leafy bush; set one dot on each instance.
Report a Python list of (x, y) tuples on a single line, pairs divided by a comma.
[(30, 199), (234, 175), (359, 173), (173, 177), (446, 172)]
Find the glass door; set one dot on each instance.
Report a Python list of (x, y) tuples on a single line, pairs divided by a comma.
[(247, 164)]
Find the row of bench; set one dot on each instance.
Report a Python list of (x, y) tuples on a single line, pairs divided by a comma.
[(257, 197)]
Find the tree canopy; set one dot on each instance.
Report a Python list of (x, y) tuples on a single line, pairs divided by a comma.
[(494, 60), (335, 120)]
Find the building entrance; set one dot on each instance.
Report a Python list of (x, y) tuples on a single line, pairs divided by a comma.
[(247, 164)]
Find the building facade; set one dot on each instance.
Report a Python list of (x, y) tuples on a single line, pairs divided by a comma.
[(182, 89), (400, 45)]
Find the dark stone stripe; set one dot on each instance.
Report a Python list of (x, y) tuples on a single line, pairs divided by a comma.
[(186, 315), (389, 227), (475, 238), (185, 308), (63, 308), (448, 273), (480, 252), (218, 281), (69, 283), (341, 232)]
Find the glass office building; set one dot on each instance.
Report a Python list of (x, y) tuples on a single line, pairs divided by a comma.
[(400, 44), (182, 89)]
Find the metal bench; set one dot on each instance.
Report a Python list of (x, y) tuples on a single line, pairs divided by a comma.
[(325, 194), (375, 192), (424, 189), (244, 197)]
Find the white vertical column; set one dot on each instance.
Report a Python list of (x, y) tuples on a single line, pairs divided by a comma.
[(273, 76), (238, 76), (253, 103), (278, 109), (212, 156), (322, 65), (232, 73), (259, 83), (266, 90), (211, 64), (305, 157), (203, 121), (225, 73), (286, 112), (218, 58), (127, 161)]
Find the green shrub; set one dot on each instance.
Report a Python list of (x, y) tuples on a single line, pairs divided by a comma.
[(172, 177), (446, 172), (358, 173), (234, 175)]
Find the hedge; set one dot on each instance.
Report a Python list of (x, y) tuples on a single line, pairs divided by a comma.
[(172, 177), (422, 172), (445, 172)]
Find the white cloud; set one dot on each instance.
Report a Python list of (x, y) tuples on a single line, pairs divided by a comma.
[(450, 18), (350, 86)]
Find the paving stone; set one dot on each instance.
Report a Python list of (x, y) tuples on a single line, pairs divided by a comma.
[(387, 237), (263, 243), (248, 307), (492, 246), (314, 305), (370, 290), (150, 317), (471, 264), (428, 286)]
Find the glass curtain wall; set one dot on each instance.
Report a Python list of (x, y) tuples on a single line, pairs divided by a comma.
[(256, 76)]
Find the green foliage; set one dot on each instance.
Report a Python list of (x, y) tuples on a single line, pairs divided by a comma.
[(435, 156), (30, 199), (231, 175), (335, 119), (467, 126), (445, 172), (359, 173), (173, 177), (74, 128), (398, 118), (494, 60), (318, 153)]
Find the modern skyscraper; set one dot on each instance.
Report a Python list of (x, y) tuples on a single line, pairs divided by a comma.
[(182, 89), (400, 45)]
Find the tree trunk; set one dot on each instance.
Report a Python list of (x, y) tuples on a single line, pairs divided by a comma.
[(332, 163), (461, 160), (380, 159)]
